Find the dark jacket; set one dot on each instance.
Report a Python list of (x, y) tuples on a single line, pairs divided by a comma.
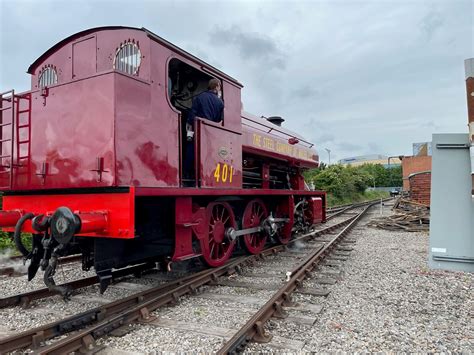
[(206, 105)]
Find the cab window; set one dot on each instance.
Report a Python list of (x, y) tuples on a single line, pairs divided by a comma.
[(184, 84)]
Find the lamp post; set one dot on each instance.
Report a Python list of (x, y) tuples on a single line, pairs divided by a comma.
[(329, 154)]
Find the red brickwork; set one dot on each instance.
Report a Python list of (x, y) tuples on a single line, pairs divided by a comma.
[(412, 165), (420, 186)]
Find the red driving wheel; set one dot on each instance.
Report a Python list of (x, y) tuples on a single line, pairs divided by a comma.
[(216, 247), (254, 214)]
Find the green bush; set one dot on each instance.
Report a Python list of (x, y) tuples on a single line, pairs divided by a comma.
[(6, 242), (348, 184)]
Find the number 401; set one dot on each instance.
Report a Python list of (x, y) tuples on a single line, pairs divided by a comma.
[(223, 172)]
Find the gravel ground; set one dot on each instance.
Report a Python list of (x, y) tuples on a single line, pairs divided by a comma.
[(389, 301)]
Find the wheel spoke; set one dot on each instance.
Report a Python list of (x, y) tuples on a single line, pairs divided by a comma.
[(215, 213), (216, 248), (211, 243), (255, 212)]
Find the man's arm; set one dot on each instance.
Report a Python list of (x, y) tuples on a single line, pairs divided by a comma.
[(193, 112)]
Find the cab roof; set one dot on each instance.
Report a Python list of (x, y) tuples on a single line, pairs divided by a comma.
[(150, 34)]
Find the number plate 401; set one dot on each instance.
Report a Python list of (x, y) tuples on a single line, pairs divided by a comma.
[(223, 173)]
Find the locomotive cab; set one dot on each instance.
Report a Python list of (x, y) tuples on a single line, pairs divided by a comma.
[(184, 84)]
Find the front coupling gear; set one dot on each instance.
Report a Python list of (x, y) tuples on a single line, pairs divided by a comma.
[(40, 223), (64, 224)]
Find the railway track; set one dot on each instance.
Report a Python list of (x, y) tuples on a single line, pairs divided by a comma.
[(338, 210), (95, 323), (253, 330), (24, 299)]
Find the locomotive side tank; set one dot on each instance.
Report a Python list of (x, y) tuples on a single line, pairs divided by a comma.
[(92, 160)]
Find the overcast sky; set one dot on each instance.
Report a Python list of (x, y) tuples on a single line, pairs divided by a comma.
[(357, 77)]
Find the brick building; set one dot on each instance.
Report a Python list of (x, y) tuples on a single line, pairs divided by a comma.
[(420, 187), (417, 178), (412, 165)]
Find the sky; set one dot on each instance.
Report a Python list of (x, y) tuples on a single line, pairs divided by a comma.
[(355, 77)]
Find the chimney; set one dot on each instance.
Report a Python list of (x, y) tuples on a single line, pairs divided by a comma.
[(276, 120), (469, 70)]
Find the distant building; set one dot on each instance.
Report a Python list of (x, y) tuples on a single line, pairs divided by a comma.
[(371, 159)]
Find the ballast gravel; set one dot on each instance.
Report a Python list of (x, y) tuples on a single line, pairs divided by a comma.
[(389, 301)]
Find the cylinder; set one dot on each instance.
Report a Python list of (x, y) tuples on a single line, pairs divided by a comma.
[(9, 218), (92, 222)]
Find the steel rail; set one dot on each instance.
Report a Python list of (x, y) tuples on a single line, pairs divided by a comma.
[(335, 214), (254, 328), (26, 297), (353, 205), (135, 307), (337, 210)]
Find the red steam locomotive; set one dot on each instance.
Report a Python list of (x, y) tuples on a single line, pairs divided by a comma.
[(92, 160)]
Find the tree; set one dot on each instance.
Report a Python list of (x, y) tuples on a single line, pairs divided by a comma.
[(349, 183)]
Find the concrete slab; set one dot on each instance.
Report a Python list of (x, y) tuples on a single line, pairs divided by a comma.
[(319, 292), (5, 332), (199, 328), (130, 286), (332, 273), (114, 351), (280, 343), (338, 257), (243, 284), (308, 307), (332, 263), (254, 301), (341, 253), (324, 280), (304, 320)]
